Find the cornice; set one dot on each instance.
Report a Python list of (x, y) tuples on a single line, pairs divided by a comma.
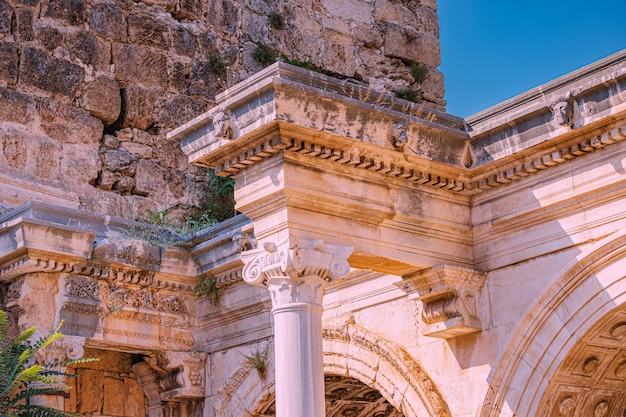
[(287, 110)]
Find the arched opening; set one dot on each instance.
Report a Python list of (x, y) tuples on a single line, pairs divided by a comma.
[(567, 354), (591, 380), (345, 397)]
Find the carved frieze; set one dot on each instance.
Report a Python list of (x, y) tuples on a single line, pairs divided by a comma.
[(449, 297), (130, 252)]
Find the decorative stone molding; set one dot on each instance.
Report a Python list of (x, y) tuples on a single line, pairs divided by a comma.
[(398, 136), (67, 347), (283, 268), (449, 297), (224, 124), (130, 252), (384, 365), (186, 376)]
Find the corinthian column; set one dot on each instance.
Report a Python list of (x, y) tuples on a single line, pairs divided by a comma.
[(295, 273)]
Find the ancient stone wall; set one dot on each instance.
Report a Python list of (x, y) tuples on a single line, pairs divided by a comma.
[(88, 88)]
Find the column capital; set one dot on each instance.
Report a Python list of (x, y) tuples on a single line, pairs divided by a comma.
[(294, 269), (294, 258)]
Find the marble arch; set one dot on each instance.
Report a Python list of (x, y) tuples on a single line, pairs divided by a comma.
[(590, 291), (353, 351)]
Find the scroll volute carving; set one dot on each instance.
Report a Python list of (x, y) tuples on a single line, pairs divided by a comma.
[(183, 375), (449, 297)]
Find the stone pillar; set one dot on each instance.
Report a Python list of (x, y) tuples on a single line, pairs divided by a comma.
[(295, 273)]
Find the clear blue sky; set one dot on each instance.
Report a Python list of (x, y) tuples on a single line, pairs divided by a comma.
[(493, 50)]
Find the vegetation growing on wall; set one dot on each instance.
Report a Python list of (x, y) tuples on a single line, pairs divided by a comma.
[(207, 287), (258, 361)]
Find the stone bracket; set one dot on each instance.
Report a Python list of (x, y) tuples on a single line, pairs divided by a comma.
[(185, 378), (450, 299)]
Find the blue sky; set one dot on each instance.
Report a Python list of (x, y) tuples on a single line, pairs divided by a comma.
[(493, 50)]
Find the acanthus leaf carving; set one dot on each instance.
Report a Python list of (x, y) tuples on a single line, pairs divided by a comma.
[(449, 297), (295, 270)]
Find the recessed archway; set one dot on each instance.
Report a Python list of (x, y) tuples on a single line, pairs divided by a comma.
[(345, 397), (554, 338)]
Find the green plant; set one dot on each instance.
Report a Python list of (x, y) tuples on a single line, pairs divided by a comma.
[(264, 55), (219, 203), (258, 361), (159, 229), (302, 64), (418, 71), (409, 94), (207, 287), (276, 21), (217, 65), (20, 380)]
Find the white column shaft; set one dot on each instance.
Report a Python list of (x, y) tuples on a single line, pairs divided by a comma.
[(299, 366)]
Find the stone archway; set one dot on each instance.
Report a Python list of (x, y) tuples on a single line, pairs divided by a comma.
[(352, 351), (345, 397), (558, 333)]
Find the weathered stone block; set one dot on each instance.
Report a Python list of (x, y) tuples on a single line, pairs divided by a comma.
[(357, 10), (204, 82), (224, 14), (102, 99), (368, 36), (124, 135), (108, 19), (387, 11), (24, 21), (181, 107), (124, 185), (119, 161), (189, 9), (143, 137), (407, 43), (91, 386), (110, 142), (49, 37), (183, 41), (139, 106), (6, 12), (149, 178), (170, 156), (179, 77), (14, 150), (67, 124), (143, 151), (134, 405), (31, 3), (51, 74), (137, 64), (106, 179), (90, 49), (8, 62), (70, 11), (47, 160), (148, 30), (15, 107), (79, 161)]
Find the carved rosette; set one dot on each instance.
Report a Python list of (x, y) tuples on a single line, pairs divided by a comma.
[(449, 297), (295, 271), (185, 378)]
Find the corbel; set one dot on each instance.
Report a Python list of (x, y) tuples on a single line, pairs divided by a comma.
[(450, 298)]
